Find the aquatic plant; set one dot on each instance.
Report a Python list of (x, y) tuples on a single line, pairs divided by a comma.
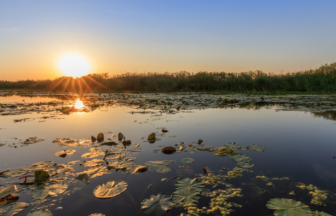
[(110, 189)]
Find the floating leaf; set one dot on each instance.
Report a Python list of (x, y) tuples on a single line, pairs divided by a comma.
[(17, 172), (158, 203), (168, 150), (17, 208), (97, 214), (7, 190), (164, 162), (92, 162), (241, 158), (92, 154), (83, 177), (288, 207), (100, 137), (5, 206), (52, 189), (65, 153), (163, 170), (321, 213), (40, 212), (187, 160), (95, 172), (225, 151), (41, 175), (140, 168), (151, 136), (110, 189), (120, 136), (187, 190)]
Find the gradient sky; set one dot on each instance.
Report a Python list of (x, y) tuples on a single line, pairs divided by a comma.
[(165, 35)]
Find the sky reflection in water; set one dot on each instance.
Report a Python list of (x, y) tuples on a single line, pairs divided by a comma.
[(298, 146)]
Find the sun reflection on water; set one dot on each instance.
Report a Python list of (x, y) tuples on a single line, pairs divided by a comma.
[(79, 104)]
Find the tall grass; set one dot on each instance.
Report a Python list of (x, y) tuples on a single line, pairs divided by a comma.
[(322, 79)]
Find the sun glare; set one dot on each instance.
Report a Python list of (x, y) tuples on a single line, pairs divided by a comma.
[(74, 65), (79, 104)]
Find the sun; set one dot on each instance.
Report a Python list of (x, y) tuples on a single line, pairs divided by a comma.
[(74, 65)]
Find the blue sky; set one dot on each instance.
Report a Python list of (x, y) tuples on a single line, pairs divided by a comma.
[(174, 35)]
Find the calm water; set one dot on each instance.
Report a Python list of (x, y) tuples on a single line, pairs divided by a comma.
[(298, 145)]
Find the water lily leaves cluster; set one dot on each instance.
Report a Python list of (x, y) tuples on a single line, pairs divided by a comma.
[(187, 190), (158, 203), (318, 196), (289, 207), (94, 152), (236, 172), (110, 189)]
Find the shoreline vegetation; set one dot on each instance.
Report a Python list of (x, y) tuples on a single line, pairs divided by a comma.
[(314, 81)]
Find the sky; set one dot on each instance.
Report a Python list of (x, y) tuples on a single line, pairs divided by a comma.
[(118, 36)]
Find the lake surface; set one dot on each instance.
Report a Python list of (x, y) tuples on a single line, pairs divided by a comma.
[(299, 145)]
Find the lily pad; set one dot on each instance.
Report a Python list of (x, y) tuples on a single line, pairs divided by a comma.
[(163, 170), (17, 208), (241, 158), (92, 163), (168, 150), (225, 151), (65, 153), (187, 190), (83, 177), (288, 207), (5, 206), (187, 160), (7, 190), (95, 172), (40, 212), (110, 189), (320, 213), (41, 175), (140, 168), (52, 189), (158, 203), (151, 136)]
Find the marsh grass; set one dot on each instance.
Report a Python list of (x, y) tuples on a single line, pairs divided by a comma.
[(320, 80)]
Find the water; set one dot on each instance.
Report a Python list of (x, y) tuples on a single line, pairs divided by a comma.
[(298, 145)]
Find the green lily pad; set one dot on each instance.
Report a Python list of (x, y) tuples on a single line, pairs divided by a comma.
[(110, 189), (151, 136), (320, 213), (288, 207), (5, 206), (241, 158), (41, 175), (92, 163), (120, 136), (233, 146), (83, 177), (163, 170), (187, 160), (187, 190), (225, 151), (17, 208), (52, 189), (191, 151), (41, 212), (7, 190), (158, 203)]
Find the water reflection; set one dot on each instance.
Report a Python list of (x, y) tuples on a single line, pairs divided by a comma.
[(79, 104)]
